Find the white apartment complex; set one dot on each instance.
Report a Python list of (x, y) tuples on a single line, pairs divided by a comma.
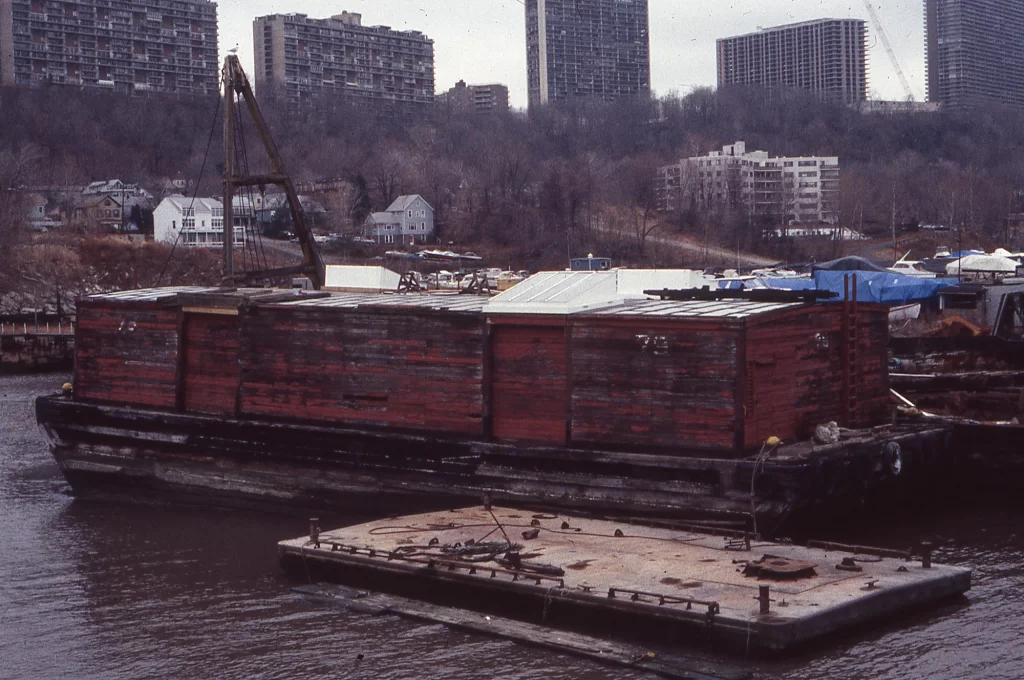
[(790, 190), (198, 223)]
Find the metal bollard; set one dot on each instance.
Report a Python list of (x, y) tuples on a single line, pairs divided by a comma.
[(763, 593), (314, 531), (926, 556)]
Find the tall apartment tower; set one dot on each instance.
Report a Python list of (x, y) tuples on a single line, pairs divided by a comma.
[(825, 56), (587, 48), (128, 46), (302, 59), (975, 52)]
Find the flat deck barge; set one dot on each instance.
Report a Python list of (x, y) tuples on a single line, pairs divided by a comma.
[(734, 588)]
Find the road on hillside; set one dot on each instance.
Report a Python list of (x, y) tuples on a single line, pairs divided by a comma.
[(715, 255)]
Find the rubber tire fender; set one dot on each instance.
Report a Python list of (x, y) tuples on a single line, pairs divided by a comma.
[(892, 456)]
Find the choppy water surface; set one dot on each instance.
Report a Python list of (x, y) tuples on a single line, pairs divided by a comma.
[(105, 590)]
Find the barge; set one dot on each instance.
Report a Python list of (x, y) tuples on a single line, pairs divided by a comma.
[(571, 390), (677, 584)]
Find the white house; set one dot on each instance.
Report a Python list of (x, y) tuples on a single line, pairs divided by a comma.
[(198, 222), (115, 187), (408, 220)]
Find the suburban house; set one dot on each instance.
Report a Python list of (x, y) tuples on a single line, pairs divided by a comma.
[(101, 212), (36, 213), (197, 223), (272, 202), (408, 220), (115, 187)]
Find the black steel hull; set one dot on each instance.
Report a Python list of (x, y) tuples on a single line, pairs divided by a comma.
[(148, 454)]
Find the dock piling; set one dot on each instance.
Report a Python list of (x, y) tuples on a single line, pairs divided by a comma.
[(926, 556)]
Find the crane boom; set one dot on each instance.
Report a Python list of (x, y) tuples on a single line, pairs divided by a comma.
[(888, 50), (236, 83)]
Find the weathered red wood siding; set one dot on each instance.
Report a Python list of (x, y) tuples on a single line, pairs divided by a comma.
[(663, 384), (211, 363), (126, 353), (873, 396), (529, 393), (349, 367), (795, 377)]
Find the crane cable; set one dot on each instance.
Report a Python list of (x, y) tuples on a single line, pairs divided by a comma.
[(199, 181), (256, 240)]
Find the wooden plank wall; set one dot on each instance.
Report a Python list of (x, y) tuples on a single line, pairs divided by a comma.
[(347, 367), (211, 363), (875, 400), (126, 354), (794, 372), (529, 399), (655, 384)]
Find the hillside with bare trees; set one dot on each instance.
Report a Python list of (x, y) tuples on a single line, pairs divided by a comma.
[(542, 186)]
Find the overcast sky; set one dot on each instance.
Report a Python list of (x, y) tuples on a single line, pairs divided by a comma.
[(484, 41)]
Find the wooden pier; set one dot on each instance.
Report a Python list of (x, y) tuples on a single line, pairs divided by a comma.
[(34, 346), (730, 588)]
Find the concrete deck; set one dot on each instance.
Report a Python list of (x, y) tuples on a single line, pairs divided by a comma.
[(659, 574)]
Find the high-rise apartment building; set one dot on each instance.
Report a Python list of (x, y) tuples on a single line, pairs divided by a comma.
[(825, 56), (301, 60), (587, 48), (492, 98), (788, 190), (975, 52), (128, 46)]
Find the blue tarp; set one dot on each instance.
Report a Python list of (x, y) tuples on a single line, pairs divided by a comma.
[(889, 288), (886, 287), (790, 284)]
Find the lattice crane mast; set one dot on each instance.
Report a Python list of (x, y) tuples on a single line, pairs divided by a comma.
[(888, 50), (236, 84)]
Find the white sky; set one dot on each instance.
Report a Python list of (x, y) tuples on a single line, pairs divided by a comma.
[(482, 41)]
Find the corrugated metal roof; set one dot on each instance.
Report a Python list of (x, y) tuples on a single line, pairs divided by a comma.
[(568, 292), (149, 294), (720, 309), (469, 304), (557, 293)]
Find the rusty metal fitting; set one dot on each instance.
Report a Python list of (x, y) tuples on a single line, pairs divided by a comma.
[(764, 598), (314, 531)]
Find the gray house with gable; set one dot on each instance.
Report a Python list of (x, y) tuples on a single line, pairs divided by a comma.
[(407, 221)]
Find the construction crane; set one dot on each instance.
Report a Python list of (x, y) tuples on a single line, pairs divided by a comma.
[(888, 49)]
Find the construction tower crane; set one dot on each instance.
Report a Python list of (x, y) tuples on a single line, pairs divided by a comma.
[(888, 49)]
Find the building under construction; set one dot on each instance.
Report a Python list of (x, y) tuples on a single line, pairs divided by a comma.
[(825, 56), (587, 48), (974, 52)]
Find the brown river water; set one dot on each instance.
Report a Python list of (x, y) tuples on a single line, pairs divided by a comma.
[(92, 589)]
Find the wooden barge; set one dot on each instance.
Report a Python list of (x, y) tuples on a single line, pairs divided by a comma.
[(664, 584), (570, 390)]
